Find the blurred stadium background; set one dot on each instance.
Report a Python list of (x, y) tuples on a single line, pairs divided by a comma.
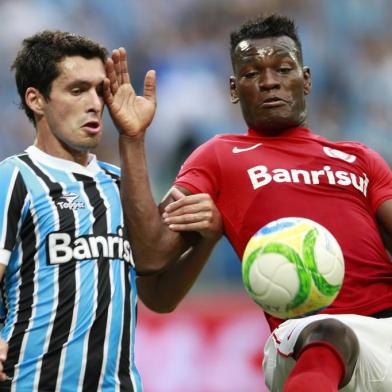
[(213, 342)]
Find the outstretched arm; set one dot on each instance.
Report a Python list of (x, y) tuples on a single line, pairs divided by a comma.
[(155, 246)]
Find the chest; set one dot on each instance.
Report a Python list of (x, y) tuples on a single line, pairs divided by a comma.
[(283, 168)]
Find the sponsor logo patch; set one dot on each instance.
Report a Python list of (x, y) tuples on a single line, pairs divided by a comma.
[(333, 153)]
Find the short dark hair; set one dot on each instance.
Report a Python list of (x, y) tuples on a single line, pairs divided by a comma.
[(264, 27), (36, 63)]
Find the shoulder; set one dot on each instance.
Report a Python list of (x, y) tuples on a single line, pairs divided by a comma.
[(347, 149), (11, 163)]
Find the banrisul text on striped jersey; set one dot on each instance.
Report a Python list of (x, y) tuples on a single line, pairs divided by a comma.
[(63, 248)]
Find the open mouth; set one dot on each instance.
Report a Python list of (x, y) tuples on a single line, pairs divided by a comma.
[(92, 126)]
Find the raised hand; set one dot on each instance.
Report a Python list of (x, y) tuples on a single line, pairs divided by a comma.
[(131, 114), (196, 213)]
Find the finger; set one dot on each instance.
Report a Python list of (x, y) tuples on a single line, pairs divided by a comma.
[(189, 199), (150, 86), (4, 377), (124, 75), (116, 64), (197, 226), (176, 193), (189, 218), (198, 208), (106, 92), (111, 75)]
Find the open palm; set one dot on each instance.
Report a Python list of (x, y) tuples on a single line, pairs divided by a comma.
[(131, 114)]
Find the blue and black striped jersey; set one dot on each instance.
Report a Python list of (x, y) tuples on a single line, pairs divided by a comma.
[(69, 287)]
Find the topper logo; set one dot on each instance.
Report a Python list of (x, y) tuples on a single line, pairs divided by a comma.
[(68, 201)]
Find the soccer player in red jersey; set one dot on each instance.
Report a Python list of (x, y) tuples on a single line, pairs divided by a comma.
[(234, 184)]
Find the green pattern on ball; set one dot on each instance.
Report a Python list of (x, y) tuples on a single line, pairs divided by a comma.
[(304, 279), (246, 268), (322, 285)]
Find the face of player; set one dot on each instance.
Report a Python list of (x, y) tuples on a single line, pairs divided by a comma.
[(270, 84), (71, 119)]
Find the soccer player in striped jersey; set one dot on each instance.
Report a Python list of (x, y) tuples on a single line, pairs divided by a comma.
[(68, 276), (279, 168)]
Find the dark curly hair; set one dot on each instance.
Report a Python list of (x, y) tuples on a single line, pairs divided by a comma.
[(36, 63), (265, 27)]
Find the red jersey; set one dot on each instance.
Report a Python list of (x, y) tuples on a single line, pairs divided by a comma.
[(256, 179)]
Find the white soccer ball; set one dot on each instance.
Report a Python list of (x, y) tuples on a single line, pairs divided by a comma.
[(293, 267)]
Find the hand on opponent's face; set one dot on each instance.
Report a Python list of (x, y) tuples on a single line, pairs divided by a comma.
[(131, 113)]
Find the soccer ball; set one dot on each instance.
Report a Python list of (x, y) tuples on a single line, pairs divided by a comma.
[(293, 267)]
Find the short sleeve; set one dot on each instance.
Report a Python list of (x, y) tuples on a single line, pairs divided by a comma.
[(12, 200), (380, 183), (200, 173)]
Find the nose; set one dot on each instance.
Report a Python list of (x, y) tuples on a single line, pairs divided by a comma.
[(269, 81), (95, 101)]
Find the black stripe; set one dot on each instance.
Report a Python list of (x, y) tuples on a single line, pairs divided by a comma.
[(114, 177), (26, 290), (66, 298), (111, 174), (123, 371), (97, 336), (14, 212)]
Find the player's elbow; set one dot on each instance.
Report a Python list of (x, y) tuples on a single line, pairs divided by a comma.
[(146, 266), (159, 303), (161, 308)]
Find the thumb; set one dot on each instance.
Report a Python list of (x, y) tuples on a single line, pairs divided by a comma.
[(177, 194), (150, 86)]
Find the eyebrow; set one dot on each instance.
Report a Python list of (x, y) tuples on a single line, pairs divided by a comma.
[(78, 82)]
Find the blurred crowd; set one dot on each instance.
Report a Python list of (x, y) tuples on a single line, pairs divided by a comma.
[(346, 43)]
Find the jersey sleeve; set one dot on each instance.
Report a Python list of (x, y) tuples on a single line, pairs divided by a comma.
[(200, 173), (12, 200), (380, 183)]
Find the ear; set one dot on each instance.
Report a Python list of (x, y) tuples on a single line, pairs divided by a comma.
[(233, 90), (34, 100), (307, 81)]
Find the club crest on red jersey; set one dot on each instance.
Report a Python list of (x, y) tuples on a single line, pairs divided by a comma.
[(333, 153)]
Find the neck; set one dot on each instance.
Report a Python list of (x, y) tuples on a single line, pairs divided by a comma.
[(57, 149), (297, 131)]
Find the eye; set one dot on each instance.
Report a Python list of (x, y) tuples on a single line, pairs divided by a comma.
[(250, 74), (284, 69), (76, 91)]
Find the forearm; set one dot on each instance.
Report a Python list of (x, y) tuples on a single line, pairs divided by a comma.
[(163, 292), (154, 246)]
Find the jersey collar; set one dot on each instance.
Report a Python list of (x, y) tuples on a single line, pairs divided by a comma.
[(290, 132), (63, 164)]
